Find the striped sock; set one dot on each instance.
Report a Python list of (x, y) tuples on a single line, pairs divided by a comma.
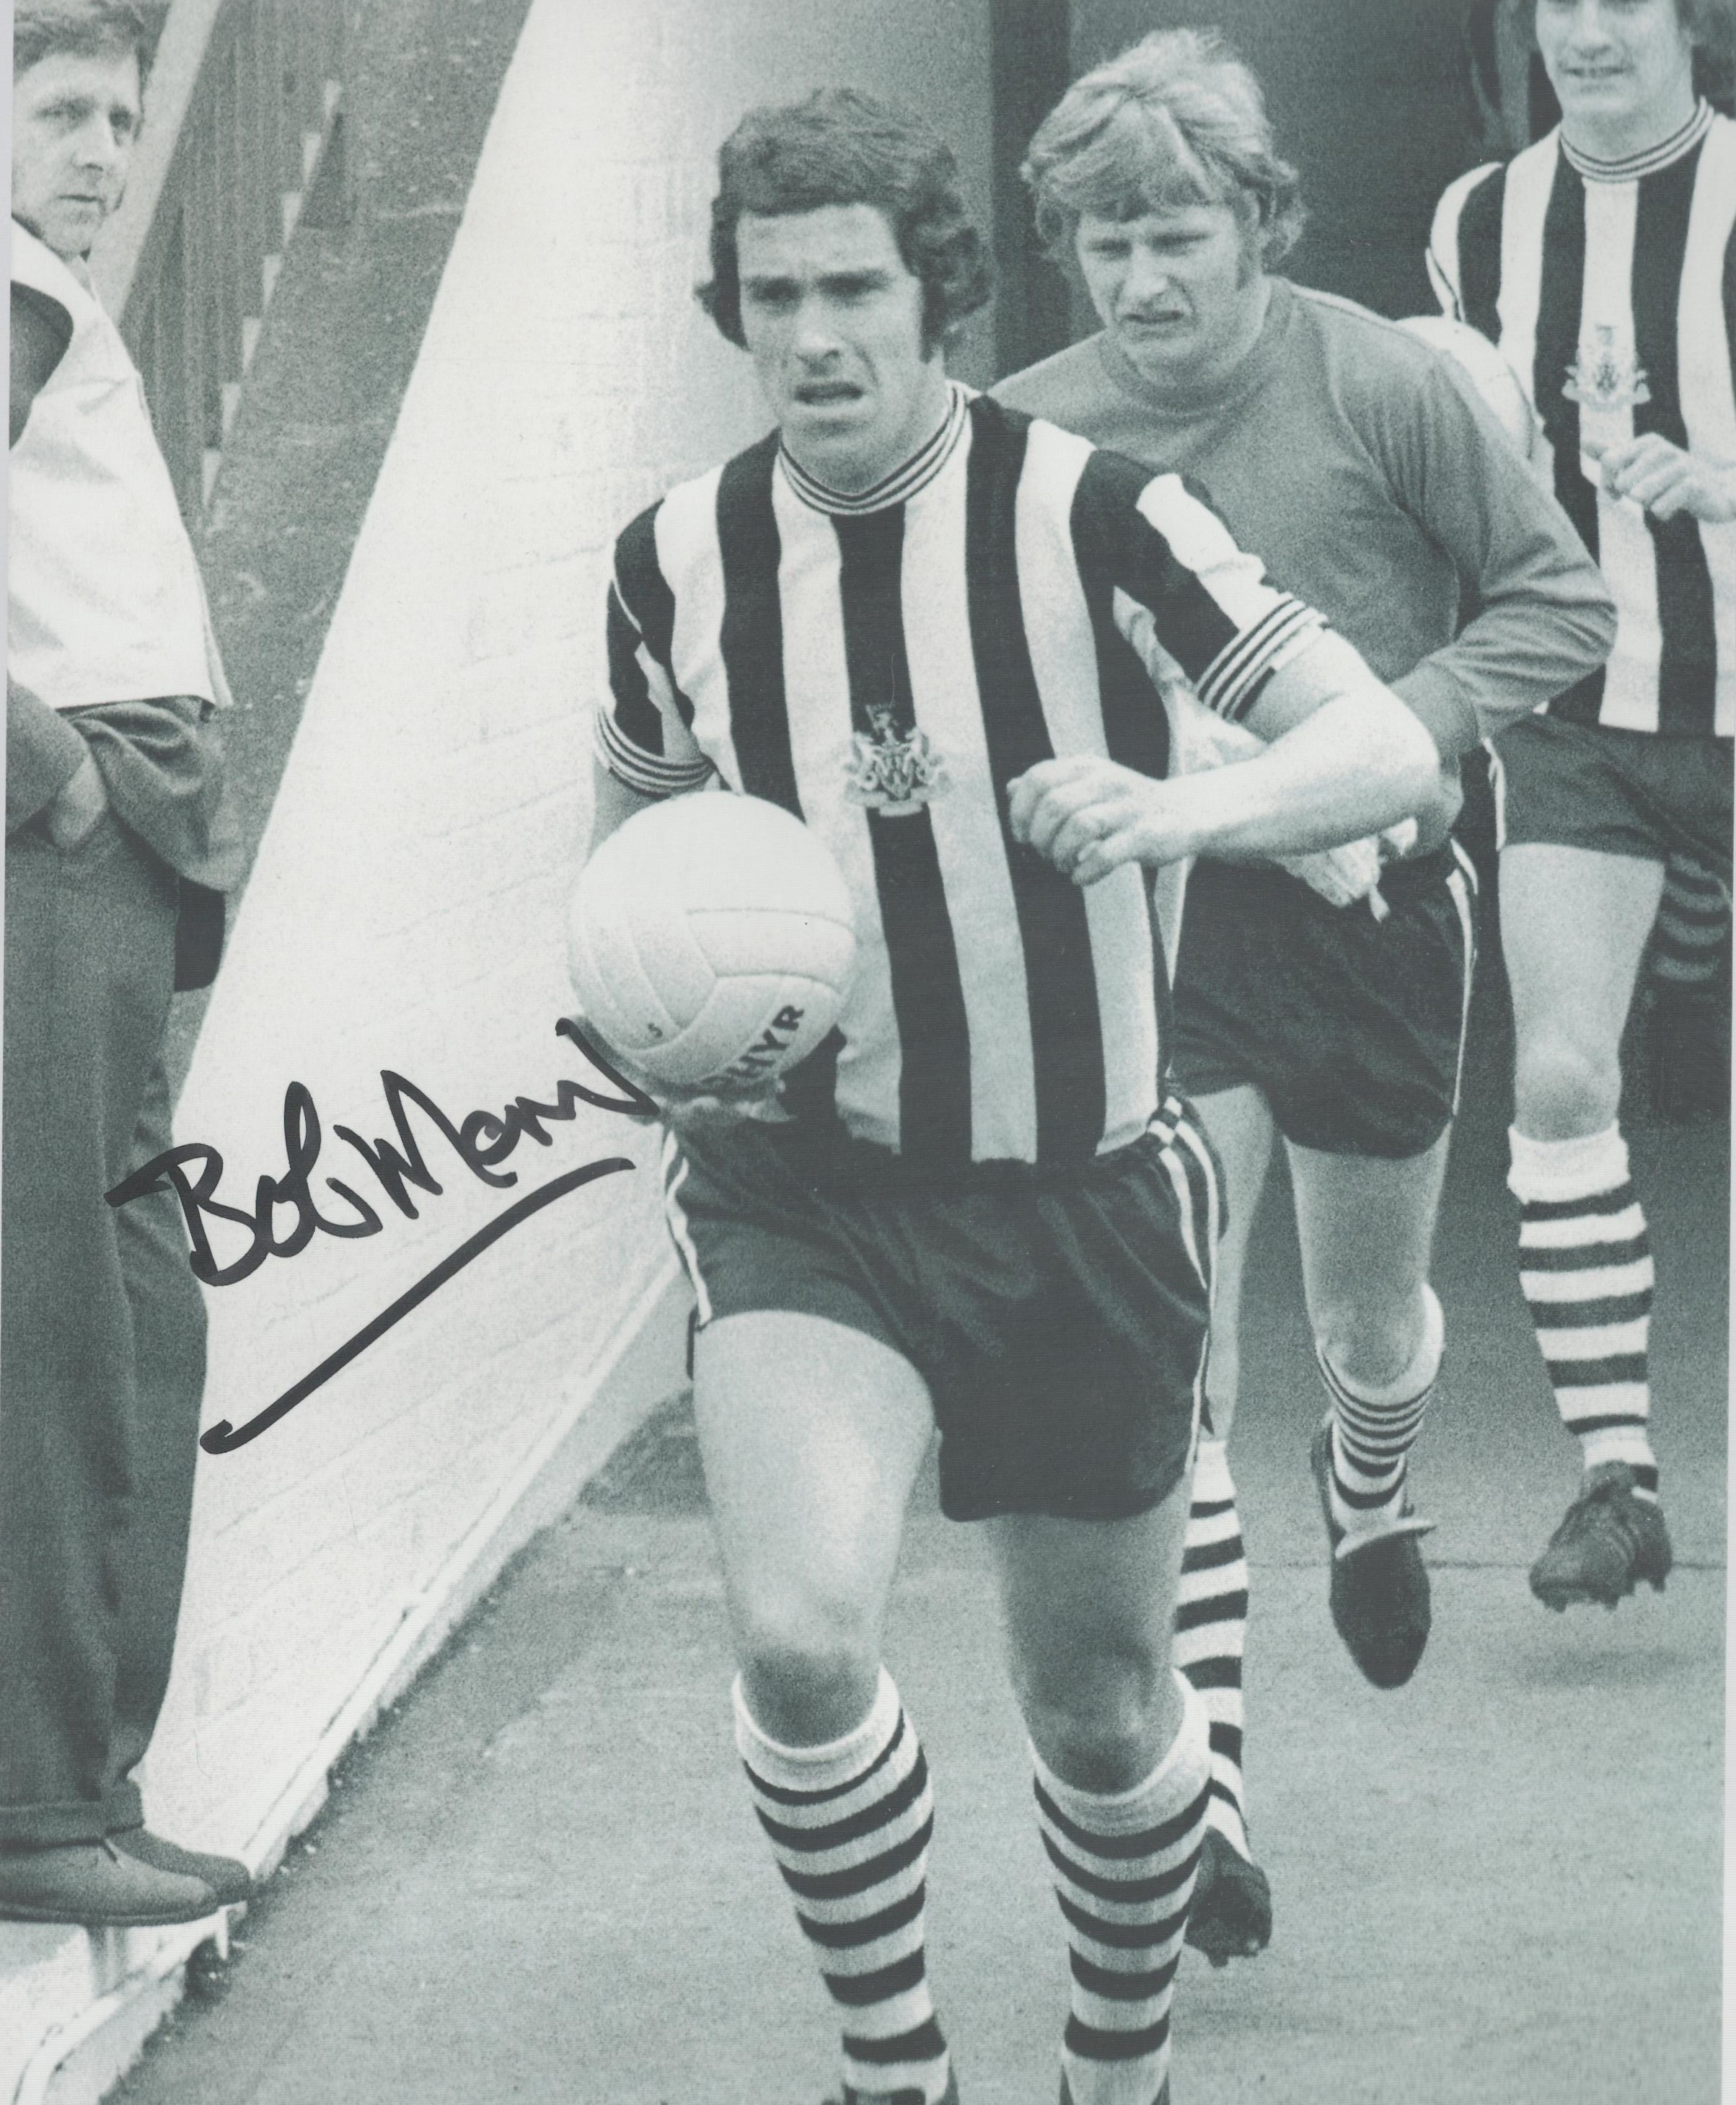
[(1586, 1268), (1211, 1623), (1375, 1428), (1693, 926), (1124, 1870), (849, 1824)]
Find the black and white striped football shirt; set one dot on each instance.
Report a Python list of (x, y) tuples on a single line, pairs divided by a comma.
[(885, 673), (1610, 286)]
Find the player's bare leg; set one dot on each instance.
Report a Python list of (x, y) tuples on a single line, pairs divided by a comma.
[(812, 1436), (1574, 926), (1240, 1127), (1366, 1226), (1120, 1750), (1232, 1913)]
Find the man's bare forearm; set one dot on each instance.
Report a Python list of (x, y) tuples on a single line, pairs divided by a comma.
[(1358, 764), (614, 803)]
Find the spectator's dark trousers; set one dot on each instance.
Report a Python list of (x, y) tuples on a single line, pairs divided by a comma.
[(102, 1325)]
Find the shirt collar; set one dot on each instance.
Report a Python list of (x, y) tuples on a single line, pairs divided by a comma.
[(1633, 166), (904, 482)]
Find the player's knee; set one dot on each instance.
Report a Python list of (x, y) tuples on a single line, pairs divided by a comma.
[(1100, 1719), (1371, 1339), (1564, 1088), (808, 1677)]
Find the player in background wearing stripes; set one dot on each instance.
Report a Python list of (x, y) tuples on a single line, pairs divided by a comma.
[(973, 1207), (1600, 261), (1683, 1009), (1347, 453)]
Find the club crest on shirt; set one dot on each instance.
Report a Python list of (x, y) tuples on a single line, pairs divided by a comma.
[(1607, 374), (893, 773)]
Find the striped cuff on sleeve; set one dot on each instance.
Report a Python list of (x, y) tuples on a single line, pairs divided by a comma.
[(1231, 683), (647, 772)]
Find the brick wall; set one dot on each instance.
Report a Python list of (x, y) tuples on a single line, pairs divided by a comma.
[(405, 910)]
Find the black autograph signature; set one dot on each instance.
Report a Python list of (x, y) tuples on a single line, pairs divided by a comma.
[(482, 1141)]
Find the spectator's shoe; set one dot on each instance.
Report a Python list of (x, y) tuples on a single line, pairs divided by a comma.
[(93, 1884), (1379, 1593), (228, 1878), (1161, 2098), (1609, 1541), (948, 2096), (1689, 1056), (1230, 1915)]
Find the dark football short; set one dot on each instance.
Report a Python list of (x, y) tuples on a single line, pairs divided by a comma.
[(1623, 792), (1059, 1322), (1352, 1027)]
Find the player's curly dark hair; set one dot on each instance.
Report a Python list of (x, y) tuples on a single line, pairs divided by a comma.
[(1176, 120), (839, 146), (1712, 25), (42, 29)]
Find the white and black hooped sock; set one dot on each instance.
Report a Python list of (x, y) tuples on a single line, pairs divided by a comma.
[(1375, 1428), (1211, 1624), (849, 1824), (1692, 930), (1585, 1269), (1124, 1868)]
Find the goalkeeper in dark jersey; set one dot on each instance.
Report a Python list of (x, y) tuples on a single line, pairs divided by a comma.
[(1351, 457)]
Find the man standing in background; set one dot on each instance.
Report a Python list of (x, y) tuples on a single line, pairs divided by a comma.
[(118, 837), (1346, 454), (1598, 260)]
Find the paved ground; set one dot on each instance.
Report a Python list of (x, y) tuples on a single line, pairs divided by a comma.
[(541, 1881)]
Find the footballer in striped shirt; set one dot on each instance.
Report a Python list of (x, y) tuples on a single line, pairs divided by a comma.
[(976, 1209), (1602, 260)]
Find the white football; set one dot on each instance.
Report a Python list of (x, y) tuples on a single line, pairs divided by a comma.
[(711, 940), (1488, 372)]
